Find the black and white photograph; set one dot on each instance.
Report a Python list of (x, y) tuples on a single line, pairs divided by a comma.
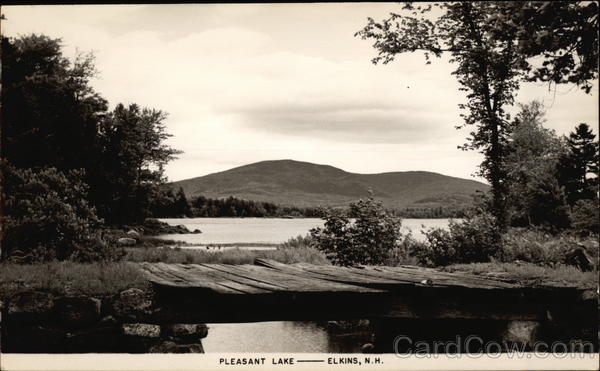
[(299, 185)]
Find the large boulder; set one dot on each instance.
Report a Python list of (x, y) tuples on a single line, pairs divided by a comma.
[(132, 304), (172, 347), (76, 312), (126, 241), (31, 305), (144, 330), (580, 258), (133, 234), (186, 332)]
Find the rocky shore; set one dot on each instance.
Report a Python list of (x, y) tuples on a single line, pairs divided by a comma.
[(41, 322)]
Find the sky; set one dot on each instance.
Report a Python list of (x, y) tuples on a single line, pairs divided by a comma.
[(243, 83)]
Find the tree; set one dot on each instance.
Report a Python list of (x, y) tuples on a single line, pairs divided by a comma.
[(46, 216), (534, 196), (181, 205), (489, 42), (50, 114), (133, 160), (579, 166), (51, 117), (368, 240), (564, 33)]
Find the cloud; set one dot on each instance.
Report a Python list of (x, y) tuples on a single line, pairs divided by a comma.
[(245, 83)]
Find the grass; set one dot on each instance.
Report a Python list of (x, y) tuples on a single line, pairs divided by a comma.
[(530, 274), (230, 256), (106, 279), (70, 278)]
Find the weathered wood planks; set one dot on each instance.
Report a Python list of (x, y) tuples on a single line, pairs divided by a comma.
[(270, 290)]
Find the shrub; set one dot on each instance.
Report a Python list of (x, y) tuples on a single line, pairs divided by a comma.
[(367, 240), (475, 239), (297, 242), (541, 248), (46, 216)]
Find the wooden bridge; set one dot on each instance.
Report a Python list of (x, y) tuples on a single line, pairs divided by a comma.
[(270, 291)]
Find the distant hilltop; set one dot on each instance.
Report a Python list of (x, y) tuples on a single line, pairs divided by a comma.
[(304, 184)]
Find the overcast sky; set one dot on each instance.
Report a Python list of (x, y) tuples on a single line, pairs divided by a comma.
[(246, 83)]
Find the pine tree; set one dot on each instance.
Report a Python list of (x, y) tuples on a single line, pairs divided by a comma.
[(579, 167)]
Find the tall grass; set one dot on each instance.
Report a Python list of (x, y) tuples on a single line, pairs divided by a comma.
[(230, 256), (529, 273), (68, 277)]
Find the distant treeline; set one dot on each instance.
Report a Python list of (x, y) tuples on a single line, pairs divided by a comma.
[(430, 212), (175, 205)]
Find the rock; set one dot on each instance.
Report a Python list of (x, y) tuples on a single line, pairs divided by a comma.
[(186, 332), (172, 347), (523, 332), (580, 258), (133, 234), (368, 348), (31, 305), (181, 229), (126, 241), (153, 227), (141, 330), (132, 304), (108, 321), (78, 311), (189, 348), (97, 339), (164, 347), (33, 339), (196, 231)]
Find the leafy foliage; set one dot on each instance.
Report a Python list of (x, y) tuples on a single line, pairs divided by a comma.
[(563, 33), (50, 114), (133, 158), (534, 195), (52, 117), (46, 216), (366, 240), (492, 44), (539, 247), (166, 204), (474, 239)]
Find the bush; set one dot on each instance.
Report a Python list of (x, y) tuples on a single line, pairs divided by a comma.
[(47, 217), (541, 248), (475, 239), (367, 240), (297, 242)]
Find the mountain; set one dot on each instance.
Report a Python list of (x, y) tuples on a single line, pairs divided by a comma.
[(289, 182)]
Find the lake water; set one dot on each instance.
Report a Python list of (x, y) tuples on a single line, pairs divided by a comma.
[(266, 231), (271, 337)]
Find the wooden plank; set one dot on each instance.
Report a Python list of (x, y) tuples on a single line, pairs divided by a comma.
[(293, 281), (160, 277), (252, 286), (197, 281), (335, 274), (448, 278), (364, 275)]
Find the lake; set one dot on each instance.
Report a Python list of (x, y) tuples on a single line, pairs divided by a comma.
[(271, 337), (251, 233)]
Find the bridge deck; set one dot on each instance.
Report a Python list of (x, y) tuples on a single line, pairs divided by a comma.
[(270, 290)]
